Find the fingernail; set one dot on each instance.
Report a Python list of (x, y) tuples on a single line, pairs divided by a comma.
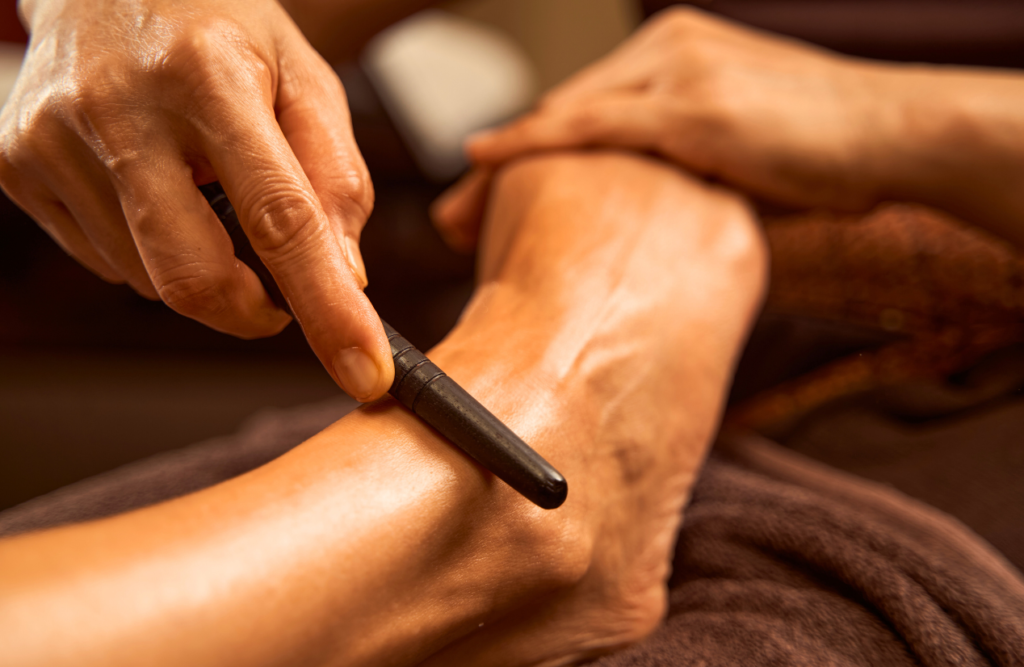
[(355, 261), (357, 373)]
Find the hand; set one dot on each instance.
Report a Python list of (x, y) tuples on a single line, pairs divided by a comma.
[(777, 119), (123, 107)]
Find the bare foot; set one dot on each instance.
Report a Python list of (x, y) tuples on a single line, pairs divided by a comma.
[(616, 294)]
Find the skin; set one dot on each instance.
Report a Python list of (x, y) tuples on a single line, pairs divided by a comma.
[(782, 121), (376, 543), (123, 106)]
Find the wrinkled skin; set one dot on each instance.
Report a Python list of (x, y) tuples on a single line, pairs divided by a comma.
[(123, 106)]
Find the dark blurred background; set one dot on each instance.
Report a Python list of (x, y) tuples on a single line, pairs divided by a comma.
[(93, 376)]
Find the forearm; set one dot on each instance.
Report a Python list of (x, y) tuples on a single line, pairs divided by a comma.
[(953, 138)]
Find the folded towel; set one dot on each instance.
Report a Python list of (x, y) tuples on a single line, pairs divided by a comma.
[(784, 561)]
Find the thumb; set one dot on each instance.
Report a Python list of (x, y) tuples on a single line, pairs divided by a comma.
[(458, 213)]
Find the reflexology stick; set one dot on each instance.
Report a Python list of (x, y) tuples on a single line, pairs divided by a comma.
[(431, 395)]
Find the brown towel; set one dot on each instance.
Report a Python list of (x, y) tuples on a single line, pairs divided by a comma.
[(943, 292), (783, 561)]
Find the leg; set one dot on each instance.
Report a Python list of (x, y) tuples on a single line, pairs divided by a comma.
[(615, 295)]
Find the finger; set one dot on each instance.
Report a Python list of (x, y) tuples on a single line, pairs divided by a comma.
[(28, 191), (609, 76), (312, 112), (458, 213), (629, 121), (85, 189), (291, 232), (186, 251), (58, 222), (55, 219)]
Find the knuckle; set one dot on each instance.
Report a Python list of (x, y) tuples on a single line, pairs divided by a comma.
[(282, 222), (125, 164), (678, 19), (350, 195), (200, 44), (696, 50), (719, 104), (204, 57), (586, 121), (195, 294)]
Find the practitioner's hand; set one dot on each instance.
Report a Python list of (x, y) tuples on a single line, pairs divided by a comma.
[(123, 107), (777, 119), (780, 120)]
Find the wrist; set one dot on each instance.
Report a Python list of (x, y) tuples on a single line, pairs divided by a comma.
[(910, 122), (950, 138)]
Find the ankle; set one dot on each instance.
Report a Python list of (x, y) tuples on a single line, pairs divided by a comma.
[(503, 369)]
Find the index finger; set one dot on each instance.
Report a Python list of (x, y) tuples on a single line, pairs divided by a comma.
[(290, 231)]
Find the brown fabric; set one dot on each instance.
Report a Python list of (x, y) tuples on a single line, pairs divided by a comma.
[(947, 292), (956, 444), (903, 267), (782, 561)]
